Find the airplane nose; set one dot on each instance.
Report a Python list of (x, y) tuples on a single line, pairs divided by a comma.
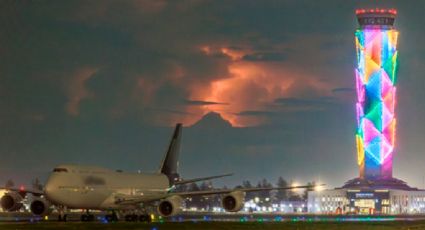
[(49, 188)]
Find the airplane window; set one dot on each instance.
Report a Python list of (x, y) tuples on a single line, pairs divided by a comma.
[(60, 170)]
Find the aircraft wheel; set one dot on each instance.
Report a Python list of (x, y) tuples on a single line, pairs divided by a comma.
[(84, 218), (131, 218), (114, 217), (108, 218), (111, 218), (62, 218), (90, 217), (145, 218), (127, 218)]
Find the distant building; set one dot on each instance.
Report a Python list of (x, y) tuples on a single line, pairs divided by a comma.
[(375, 190)]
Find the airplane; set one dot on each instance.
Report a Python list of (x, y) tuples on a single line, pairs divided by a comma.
[(97, 188)]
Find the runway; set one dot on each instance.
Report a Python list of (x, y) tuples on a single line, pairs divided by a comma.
[(22, 217), (217, 225)]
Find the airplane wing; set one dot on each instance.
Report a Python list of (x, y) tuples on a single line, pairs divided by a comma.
[(137, 199), (224, 191), (24, 190), (201, 179)]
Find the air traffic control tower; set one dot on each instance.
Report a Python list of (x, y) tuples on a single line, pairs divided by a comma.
[(376, 77), (375, 190), (376, 48)]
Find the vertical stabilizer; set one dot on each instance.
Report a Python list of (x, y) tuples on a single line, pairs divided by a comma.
[(170, 163)]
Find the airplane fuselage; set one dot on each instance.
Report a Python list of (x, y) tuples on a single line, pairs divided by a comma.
[(85, 187)]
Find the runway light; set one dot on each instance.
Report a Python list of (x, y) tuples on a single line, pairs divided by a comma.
[(319, 188)]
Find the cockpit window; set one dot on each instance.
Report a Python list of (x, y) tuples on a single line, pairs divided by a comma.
[(60, 170)]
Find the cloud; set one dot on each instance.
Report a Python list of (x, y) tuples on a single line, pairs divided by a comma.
[(232, 62), (265, 57), (343, 90), (201, 103), (77, 90), (178, 112), (306, 104), (213, 121), (256, 113)]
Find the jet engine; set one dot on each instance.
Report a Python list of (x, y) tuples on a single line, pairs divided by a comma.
[(40, 206), (234, 201), (11, 201), (170, 206)]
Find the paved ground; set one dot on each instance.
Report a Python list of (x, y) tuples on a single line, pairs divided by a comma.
[(396, 225), (207, 221), (222, 217)]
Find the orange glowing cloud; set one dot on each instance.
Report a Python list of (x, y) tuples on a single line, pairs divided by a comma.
[(77, 90), (252, 86), (247, 85)]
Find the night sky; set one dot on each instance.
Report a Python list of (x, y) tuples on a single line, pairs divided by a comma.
[(264, 88)]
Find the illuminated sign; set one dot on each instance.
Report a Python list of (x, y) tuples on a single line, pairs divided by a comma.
[(364, 195)]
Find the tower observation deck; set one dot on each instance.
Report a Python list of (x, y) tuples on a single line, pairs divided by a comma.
[(376, 18)]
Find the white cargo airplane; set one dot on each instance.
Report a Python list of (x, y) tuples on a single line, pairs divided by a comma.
[(96, 188)]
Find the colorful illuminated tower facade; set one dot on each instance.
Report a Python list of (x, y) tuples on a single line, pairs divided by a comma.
[(376, 46), (376, 191)]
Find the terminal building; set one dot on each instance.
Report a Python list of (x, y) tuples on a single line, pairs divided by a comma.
[(375, 191)]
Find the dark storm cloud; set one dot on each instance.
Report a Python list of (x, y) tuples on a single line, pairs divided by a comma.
[(170, 111), (101, 82), (299, 102), (265, 57), (343, 90), (256, 113), (200, 103)]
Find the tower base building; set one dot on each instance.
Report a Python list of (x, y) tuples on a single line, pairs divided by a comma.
[(392, 197), (375, 191)]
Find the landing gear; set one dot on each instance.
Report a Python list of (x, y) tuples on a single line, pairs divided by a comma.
[(131, 218), (145, 218), (87, 217), (112, 217), (62, 216), (142, 218)]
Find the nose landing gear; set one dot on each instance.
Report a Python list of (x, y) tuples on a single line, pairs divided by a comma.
[(113, 217), (87, 217), (62, 217)]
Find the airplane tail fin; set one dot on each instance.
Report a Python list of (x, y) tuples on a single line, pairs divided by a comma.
[(170, 163)]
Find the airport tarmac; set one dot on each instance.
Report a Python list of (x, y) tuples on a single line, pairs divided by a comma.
[(218, 221), (10, 217), (217, 225)]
